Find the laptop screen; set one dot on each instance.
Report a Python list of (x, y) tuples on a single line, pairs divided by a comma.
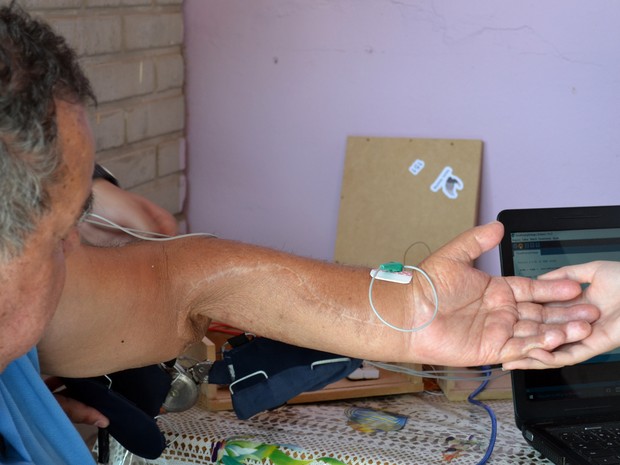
[(537, 252), (538, 241)]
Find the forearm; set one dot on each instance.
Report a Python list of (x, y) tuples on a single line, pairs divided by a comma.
[(145, 303), (297, 300)]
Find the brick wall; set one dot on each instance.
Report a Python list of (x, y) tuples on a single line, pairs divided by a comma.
[(132, 52)]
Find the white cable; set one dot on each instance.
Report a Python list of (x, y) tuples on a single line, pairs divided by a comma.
[(397, 328), (106, 223), (447, 374)]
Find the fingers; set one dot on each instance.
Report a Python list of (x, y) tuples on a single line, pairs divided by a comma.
[(550, 336), (76, 410), (527, 364), (472, 243), (527, 290), (163, 221), (558, 315), (538, 359), (580, 273), (534, 339), (81, 413)]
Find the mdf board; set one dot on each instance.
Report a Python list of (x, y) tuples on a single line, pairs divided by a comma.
[(402, 198)]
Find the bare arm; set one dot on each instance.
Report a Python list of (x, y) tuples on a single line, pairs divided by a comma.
[(144, 303), (130, 211)]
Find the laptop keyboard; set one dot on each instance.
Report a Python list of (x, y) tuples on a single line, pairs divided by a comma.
[(599, 445)]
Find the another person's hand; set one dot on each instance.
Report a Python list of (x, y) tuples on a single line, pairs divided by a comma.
[(76, 410), (125, 209), (488, 320), (604, 292)]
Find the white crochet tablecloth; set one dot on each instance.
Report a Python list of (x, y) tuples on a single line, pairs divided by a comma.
[(437, 431)]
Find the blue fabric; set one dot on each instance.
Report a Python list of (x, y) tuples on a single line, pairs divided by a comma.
[(131, 405), (34, 428), (269, 373)]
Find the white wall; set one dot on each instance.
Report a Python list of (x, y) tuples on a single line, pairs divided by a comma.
[(274, 88)]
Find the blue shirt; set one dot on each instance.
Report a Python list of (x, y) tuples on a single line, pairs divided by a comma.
[(33, 427)]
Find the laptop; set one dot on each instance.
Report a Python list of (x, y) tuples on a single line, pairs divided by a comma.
[(572, 414)]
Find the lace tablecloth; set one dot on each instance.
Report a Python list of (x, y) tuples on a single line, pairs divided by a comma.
[(437, 431)]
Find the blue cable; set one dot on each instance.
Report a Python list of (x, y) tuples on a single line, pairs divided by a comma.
[(471, 399)]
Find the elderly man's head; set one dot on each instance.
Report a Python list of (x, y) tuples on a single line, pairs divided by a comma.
[(46, 162)]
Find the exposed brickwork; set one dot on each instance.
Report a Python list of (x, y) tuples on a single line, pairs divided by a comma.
[(132, 52)]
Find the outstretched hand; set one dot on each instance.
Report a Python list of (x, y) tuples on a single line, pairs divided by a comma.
[(486, 320), (604, 292)]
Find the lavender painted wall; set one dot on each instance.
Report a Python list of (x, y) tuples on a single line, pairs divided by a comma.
[(274, 87)]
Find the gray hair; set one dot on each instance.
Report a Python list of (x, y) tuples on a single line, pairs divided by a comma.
[(36, 67)]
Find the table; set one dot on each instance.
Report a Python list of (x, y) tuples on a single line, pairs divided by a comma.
[(438, 431)]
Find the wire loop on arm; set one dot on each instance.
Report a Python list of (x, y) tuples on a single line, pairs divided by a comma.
[(397, 328)]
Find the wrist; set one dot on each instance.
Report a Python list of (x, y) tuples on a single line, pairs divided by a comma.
[(423, 295)]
